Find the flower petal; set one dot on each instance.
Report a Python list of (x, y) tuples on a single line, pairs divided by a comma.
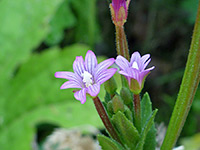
[(69, 76), (70, 84), (135, 57), (145, 58), (122, 62), (79, 66), (90, 61), (105, 75), (103, 66), (81, 95), (65, 75), (149, 69), (94, 89), (146, 64)]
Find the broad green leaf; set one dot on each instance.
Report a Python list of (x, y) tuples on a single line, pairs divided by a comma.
[(145, 130), (128, 133), (86, 27), (108, 144), (191, 8), (63, 19), (146, 110), (24, 24), (35, 97)]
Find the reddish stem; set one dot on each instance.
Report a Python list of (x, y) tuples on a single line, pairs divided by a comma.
[(137, 111), (121, 42), (104, 117)]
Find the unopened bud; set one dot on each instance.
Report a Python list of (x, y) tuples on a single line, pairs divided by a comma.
[(111, 86), (110, 107), (119, 11), (118, 104), (126, 95)]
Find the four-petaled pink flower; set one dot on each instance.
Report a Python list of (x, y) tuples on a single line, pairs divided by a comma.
[(119, 11), (87, 76), (134, 71)]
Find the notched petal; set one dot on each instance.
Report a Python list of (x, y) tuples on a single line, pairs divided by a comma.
[(81, 95), (90, 61), (70, 84), (79, 65), (94, 89)]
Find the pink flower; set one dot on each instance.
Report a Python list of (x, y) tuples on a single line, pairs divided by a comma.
[(87, 76), (135, 71), (119, 11)]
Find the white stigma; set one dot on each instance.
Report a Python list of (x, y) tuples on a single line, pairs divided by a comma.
[(87, 78), (135, 65)]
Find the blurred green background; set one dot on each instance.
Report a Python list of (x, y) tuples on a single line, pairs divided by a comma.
[(40, 37)]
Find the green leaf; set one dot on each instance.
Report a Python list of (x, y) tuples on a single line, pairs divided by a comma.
[(128, 133), (108, 144), (191, 8), (35, 97), (145, 130), (24, 24), (146, 111), (87, 27), (63, 19)]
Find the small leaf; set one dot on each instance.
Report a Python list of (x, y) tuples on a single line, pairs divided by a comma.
[(145, 130), (146, 110), (128, 133), (108, 144)]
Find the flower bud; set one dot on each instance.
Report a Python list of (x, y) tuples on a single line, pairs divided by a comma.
[(119, 11), (111, 86), (118, 104), (110, 107), (126, 95)]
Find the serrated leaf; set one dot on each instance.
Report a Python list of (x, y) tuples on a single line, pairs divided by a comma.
[(35, 97), (128, 133), (145, 130), (146, 110), (108, 144)]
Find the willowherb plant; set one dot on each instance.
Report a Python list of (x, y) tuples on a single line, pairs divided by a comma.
[(128, 119)]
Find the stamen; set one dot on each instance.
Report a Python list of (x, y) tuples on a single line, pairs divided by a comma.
[(135, 65), (87, 78)]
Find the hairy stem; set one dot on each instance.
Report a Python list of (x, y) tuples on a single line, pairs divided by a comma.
[(187, 90), (104, 117), (137, 111), (121, 42)]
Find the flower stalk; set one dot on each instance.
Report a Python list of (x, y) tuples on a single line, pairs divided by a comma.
[(104, 117), (137, 111), (187, 90), (121, 42)]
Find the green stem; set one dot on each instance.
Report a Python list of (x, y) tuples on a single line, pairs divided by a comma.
[(137, 111), (121, 42), (104, 117), (187, 90)]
